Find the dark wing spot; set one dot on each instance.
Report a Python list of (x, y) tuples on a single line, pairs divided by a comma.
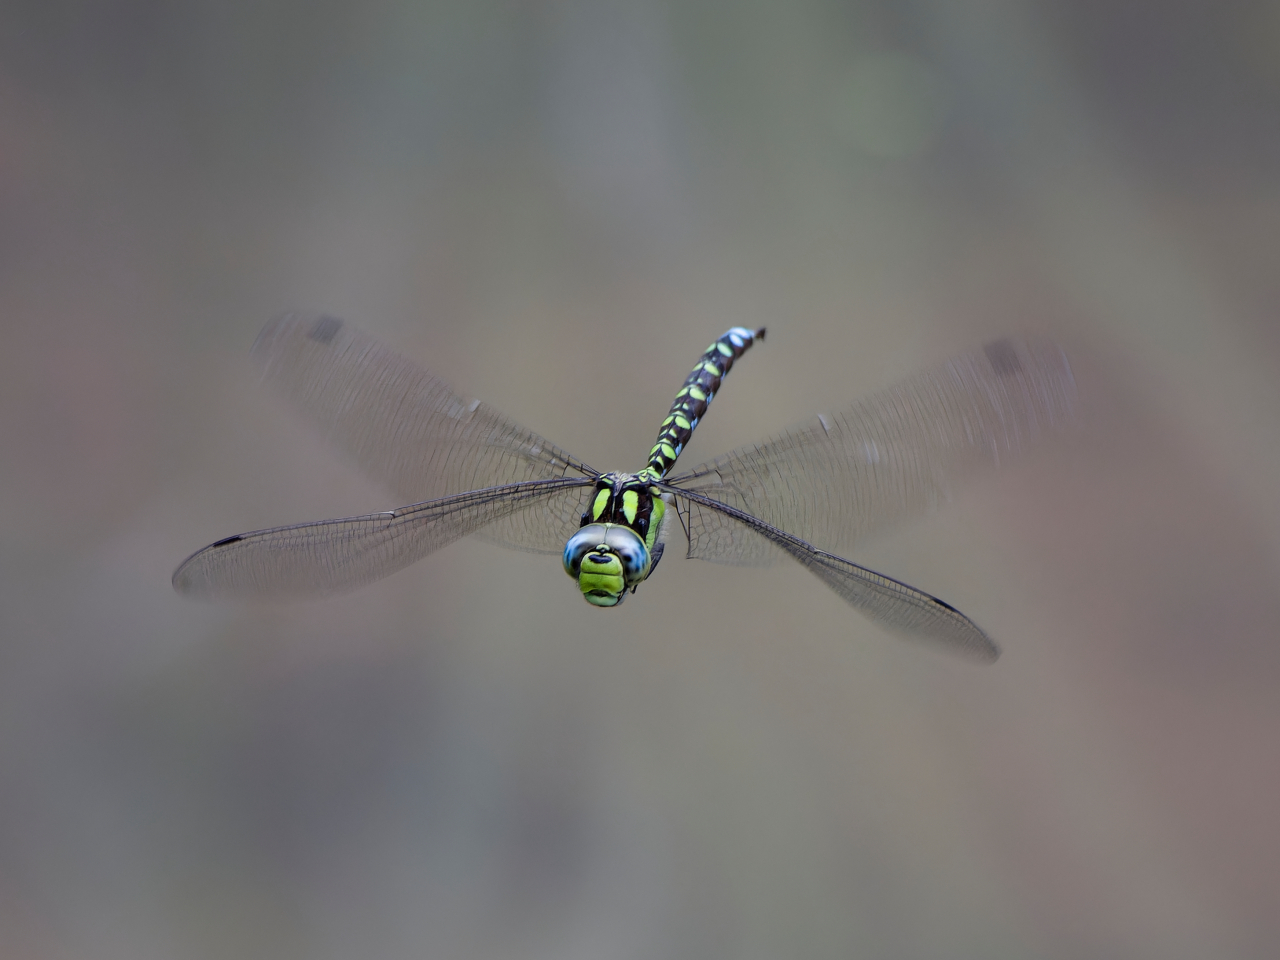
[(225, 541), (325, 329), (1003, 357), (760, 333)]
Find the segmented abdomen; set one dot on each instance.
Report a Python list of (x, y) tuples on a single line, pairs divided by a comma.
[(699, 388)]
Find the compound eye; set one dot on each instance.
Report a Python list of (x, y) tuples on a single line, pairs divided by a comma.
[(632, 562), (631, 551), (579, 545)]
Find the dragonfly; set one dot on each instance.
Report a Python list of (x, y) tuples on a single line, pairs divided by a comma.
[(469, 469)]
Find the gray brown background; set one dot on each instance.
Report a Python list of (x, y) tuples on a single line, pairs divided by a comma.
[(557, 205)]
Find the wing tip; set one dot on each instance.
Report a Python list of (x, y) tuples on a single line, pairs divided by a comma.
[(313, 325), (181, 580), (977, 644), (985, 652)]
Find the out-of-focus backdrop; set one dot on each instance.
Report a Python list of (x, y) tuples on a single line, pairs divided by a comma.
[(557, 205)]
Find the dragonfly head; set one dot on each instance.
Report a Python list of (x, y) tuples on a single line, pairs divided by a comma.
[(607, 560)]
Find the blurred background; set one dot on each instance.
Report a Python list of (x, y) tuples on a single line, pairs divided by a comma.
[(532, 198)]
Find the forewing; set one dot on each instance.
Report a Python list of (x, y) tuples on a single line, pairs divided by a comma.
[(899, 607), (546, 526), (333, 556), (403, 425), (893, 454), (889, 602)]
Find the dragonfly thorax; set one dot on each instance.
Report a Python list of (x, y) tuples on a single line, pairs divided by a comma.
[(624, 498)]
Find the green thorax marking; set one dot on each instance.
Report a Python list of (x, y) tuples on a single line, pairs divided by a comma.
[(627, 499), (695, 396)]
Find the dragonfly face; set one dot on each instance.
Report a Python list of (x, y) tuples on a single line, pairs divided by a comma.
[(606, 559), (613, 552)]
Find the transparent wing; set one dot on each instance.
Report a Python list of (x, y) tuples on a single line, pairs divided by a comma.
[(546, 526), (889, 602), (332, 556), (896, 453), (403, 425)]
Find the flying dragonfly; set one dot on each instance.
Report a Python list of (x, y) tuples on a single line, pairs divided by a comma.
[(470, 469)]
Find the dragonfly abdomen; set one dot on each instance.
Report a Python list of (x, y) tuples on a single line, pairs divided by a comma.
[(695, 396)]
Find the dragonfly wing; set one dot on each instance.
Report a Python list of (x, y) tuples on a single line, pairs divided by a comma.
[(900, 607), (893, 454), (544, 527), (403, 425), (714, 534), (332, 556), (891, 603)]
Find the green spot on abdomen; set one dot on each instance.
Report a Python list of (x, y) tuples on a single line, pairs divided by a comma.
[(691, 401)]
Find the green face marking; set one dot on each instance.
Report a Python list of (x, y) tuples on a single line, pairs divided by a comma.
[(601, 580)]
